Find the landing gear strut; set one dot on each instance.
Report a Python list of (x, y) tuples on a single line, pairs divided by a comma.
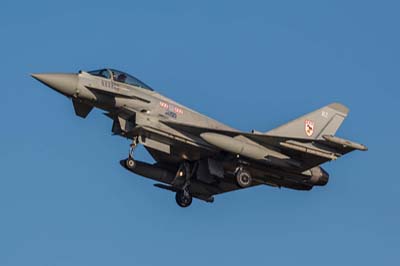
[(130, 162)]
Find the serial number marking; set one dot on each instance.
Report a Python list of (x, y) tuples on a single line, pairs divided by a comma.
[(171, 114), (172, 110)]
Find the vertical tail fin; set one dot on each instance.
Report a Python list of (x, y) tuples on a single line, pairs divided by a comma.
[(324, 121)]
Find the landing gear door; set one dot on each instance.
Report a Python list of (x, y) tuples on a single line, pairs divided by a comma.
[(209, 171), (216, 168)]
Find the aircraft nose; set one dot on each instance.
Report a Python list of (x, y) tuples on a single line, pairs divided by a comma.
[(63, 83)]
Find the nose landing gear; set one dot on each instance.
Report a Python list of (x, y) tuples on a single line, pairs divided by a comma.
[(130, 162)]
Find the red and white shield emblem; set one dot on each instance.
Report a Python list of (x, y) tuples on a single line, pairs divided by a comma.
[(309, 127)]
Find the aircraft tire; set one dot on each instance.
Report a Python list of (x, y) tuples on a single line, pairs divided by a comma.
[(130, 163), (183, 200), (243, 178)]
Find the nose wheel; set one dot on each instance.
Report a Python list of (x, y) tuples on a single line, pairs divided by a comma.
[(130, 163)]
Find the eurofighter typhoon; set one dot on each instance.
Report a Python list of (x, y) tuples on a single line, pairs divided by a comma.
[(196, 156)]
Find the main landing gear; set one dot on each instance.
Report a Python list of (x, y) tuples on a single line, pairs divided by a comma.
[(183, 198), (243, 177), (182, 180)]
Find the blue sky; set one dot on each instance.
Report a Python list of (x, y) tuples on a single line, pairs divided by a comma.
[(64, 198)]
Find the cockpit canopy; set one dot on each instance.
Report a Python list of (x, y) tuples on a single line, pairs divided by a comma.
[(120, 76)]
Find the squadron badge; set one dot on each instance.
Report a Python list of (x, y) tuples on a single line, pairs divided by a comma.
[(309, 127)]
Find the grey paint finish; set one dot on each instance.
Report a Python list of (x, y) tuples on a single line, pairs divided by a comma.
[(326, 120), (211, 154), (62, 83)]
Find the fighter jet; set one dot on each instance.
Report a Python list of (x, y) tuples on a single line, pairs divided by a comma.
[(199, 157)]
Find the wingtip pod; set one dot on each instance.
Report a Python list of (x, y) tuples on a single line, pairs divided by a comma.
[(339, 107), (345, 142)]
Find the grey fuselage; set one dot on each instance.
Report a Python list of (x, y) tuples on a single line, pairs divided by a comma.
[(288, 156)]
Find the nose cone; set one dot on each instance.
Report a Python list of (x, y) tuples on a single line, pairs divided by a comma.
[(63, 83)]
